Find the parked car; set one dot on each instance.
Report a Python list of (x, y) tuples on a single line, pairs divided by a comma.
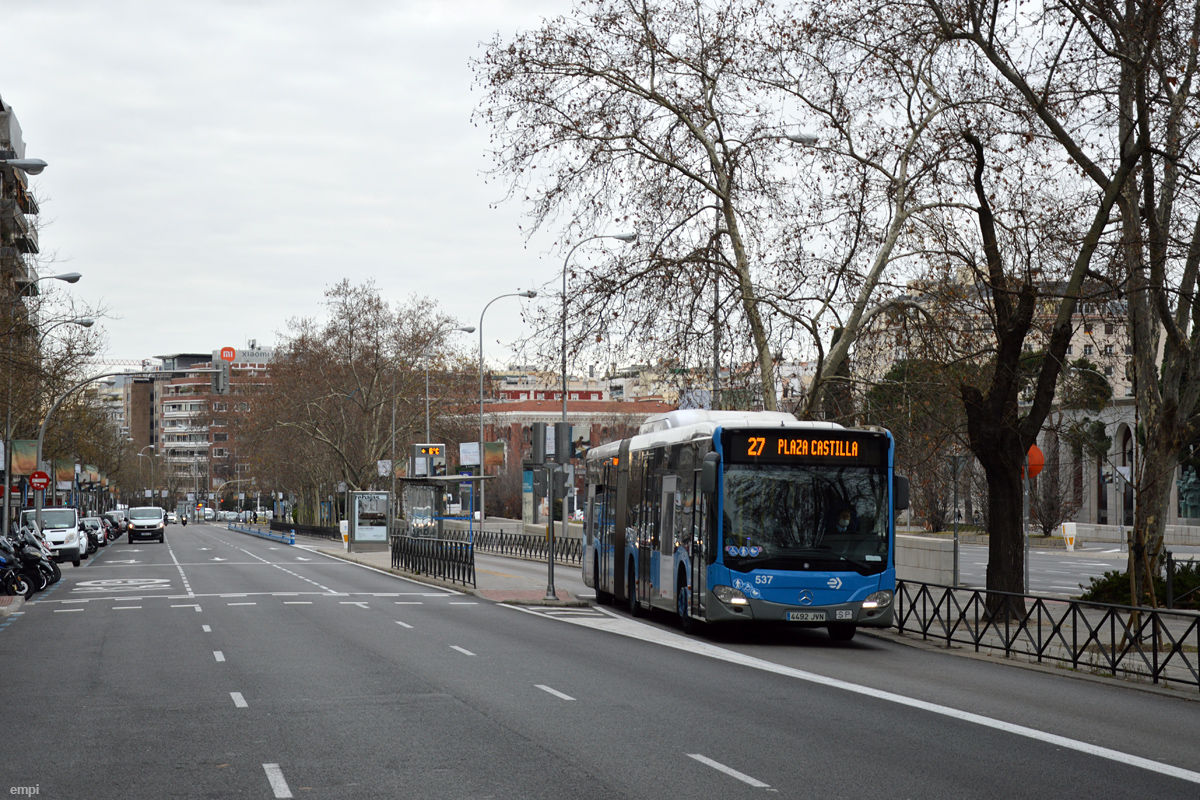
[(118, 518), (95, 531), (60, 526), (147, 522)]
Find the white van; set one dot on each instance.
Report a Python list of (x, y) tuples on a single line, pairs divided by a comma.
[(64, 536)]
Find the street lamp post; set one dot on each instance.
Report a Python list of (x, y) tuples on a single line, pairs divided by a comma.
[(150, 458), (46, 420), (70, 277), (482, 483)]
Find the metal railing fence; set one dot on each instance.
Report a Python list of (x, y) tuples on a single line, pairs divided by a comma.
[(437, 558), (315, 531), (1135, 643), (567, 551)]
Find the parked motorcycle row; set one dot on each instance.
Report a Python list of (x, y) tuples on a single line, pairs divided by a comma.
[(27, 564)]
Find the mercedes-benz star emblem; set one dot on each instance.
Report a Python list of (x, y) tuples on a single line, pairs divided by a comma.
[(806, 598)]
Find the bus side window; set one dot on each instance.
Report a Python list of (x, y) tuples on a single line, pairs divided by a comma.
[(667, 526)]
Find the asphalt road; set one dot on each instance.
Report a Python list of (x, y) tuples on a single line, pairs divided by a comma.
[(220, 665)]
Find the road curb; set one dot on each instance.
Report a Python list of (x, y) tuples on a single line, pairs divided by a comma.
[(10, 605)]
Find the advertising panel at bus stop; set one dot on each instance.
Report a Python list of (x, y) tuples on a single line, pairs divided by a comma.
[(369, 518)]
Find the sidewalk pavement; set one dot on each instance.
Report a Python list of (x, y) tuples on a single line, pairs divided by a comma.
[(489, 585)]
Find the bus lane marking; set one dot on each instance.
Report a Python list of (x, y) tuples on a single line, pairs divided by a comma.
[(614, 623)]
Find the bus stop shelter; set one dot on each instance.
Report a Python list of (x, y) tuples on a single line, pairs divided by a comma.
[(428, 500)]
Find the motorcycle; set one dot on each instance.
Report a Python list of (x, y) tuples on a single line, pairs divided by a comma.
[(36, 560), (12, 580), (183, 521)]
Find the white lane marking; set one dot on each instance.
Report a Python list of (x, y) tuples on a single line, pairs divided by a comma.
[(238, 700), (316, 552), (403, 624), (439, 595), (409, 603), (297, 602), (452, 603), (218, 655), (206, 629), (233, 595), (187, 587), (462, 650), (78, 601), (354, 603), (554, 692), (278, 784), (288, 571), (614, 623), (730, 771), (123, 608), (66, 610), (241, 604)]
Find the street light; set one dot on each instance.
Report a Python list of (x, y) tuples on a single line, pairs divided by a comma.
[(530, 294), (32, 166), (83, 322), (38, 495), (70, 277), (802, 137), (142, 454)]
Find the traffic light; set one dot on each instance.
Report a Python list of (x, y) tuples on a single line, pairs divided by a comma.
[(220, 378), (559, 480), (537, 431), (562, 442)]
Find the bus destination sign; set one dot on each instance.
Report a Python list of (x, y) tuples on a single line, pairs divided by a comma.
[(784, 446)]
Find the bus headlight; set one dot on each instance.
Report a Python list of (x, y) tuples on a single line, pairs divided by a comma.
[(730, 595), (878, 600)]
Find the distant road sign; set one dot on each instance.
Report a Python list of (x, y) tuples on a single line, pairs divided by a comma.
[(228, 354), (39, 480)]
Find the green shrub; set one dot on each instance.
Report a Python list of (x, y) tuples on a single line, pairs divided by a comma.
[(1113, 587)]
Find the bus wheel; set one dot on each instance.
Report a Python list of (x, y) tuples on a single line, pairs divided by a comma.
[(635, 608), (602, 597), (842, 632), (681, 607)]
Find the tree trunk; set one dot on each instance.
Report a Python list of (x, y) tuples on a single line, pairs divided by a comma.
[(1000, 453), (1153, 493)]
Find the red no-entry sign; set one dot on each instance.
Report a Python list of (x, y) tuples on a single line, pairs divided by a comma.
[(39, 480)]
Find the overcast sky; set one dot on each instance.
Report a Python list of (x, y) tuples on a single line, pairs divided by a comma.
[(214, 166)]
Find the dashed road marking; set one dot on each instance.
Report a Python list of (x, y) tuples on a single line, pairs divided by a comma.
[(206, 629), (218, 655), (278, 784), (554, 692), (241, 604), (124, 608), (238, 700), (462, 650), (730, 771), (403, 624)]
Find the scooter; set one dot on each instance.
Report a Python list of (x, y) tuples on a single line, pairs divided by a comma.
[(12, 580)]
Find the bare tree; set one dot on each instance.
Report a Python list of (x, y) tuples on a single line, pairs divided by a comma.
[(1112, 86)]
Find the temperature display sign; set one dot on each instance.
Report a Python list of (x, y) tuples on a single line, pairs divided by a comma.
[(792, 446)]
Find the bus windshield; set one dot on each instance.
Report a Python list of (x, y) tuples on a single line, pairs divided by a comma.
[(828, 518)]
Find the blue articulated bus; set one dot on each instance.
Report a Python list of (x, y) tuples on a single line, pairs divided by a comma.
[(735, 516)]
